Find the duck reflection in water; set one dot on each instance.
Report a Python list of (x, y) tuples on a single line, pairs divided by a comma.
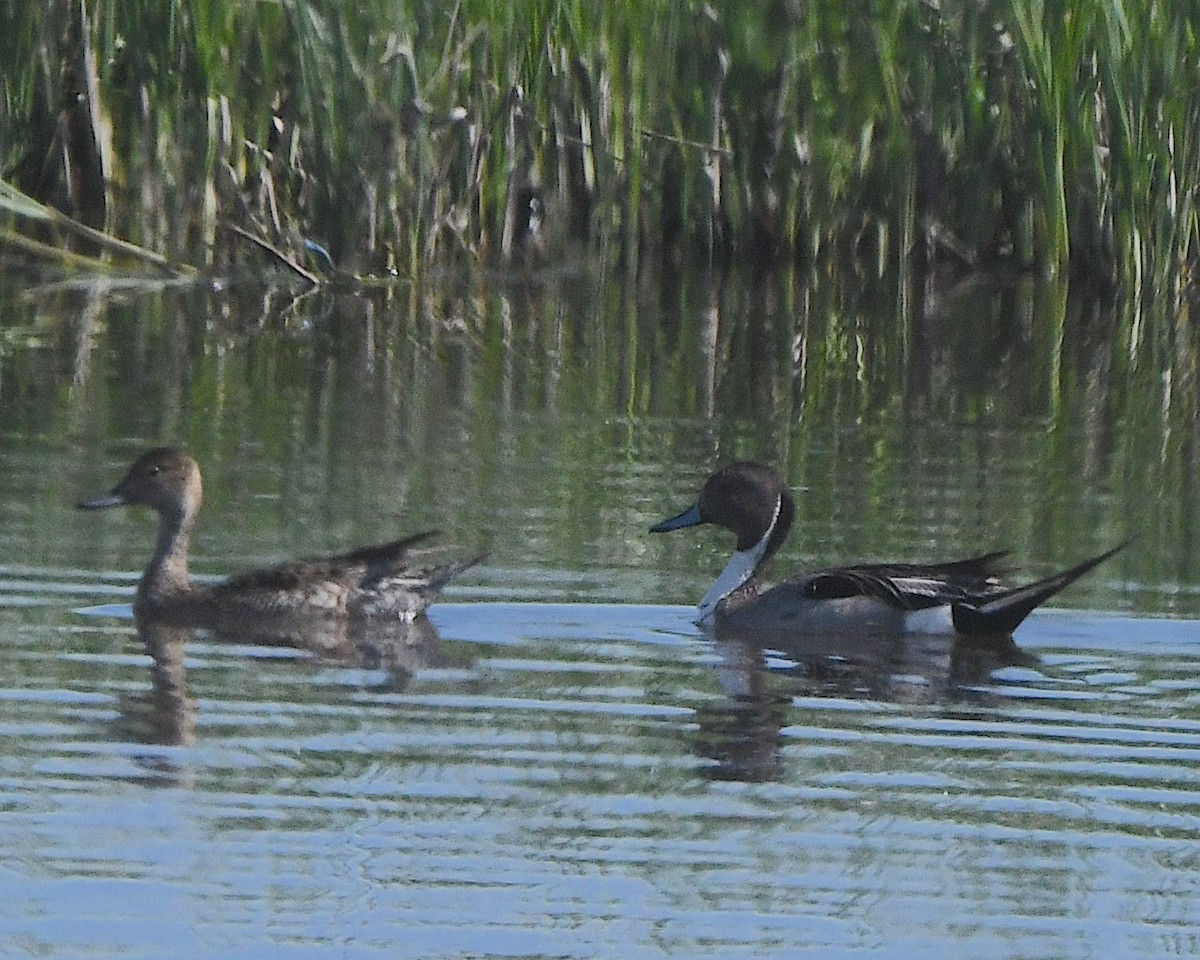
[(396, 649), (762, 673), (172, 710)]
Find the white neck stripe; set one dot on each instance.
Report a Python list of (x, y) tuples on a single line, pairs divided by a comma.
[(740, 568)]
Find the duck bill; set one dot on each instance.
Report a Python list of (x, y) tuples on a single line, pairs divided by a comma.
[(114, 498), (689, 518)]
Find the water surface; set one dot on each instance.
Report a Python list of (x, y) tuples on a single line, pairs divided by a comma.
[(561, 764)]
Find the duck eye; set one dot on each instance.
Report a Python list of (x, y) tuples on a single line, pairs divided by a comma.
[(155, 470)]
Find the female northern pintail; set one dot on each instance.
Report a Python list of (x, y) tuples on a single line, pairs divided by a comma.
[(960, 597), (389, 579)]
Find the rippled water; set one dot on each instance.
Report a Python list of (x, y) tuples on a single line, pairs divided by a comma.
[(561, 764), (589, 780)]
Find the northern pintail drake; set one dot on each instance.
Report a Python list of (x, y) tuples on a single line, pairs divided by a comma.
[(962, 597), (391, 579)]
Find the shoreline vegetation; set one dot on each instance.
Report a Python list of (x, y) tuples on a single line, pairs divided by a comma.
[(1047, 136)]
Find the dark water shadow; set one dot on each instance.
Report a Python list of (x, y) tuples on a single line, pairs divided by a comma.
[(761, 672)]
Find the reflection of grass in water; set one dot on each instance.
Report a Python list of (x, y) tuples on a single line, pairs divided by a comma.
[(581, 411), (1043, 132)]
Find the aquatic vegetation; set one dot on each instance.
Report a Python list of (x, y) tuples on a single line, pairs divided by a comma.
[(1051, 135)]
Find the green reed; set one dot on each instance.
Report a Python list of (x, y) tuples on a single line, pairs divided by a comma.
[(1051, 134)]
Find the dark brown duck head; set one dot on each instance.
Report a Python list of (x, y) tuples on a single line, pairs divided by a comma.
[(168, 482), (164, 479), (750, 500)]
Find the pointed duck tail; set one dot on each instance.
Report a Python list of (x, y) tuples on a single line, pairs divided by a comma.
[(397, 560), (1001, 613), (386, 554), (440, 576)]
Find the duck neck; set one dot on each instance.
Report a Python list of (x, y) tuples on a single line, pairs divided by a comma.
[(167, 576), (742, 566)]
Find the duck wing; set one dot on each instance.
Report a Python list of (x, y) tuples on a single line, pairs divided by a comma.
[(387, 577), (406, 590), (348, 569), (910, 586), (979, 603), (382, 556)]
